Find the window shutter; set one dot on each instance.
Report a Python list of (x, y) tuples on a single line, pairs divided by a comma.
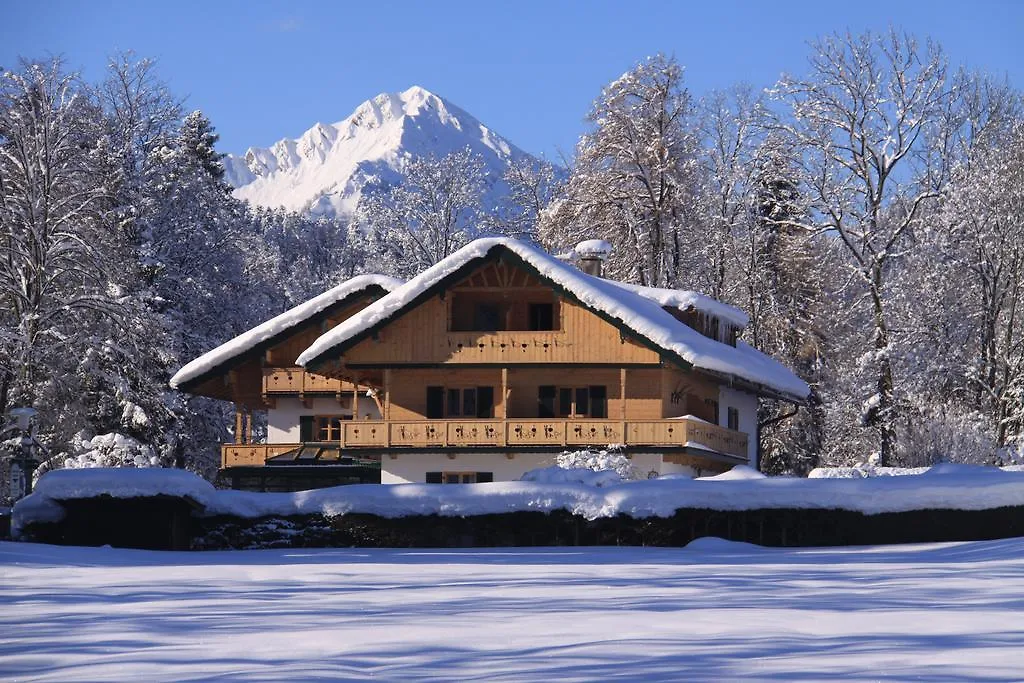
[(599, 401), (546, 401), (485, 401), (484, 477), (306, 428), (433, 477), (583, 401), (435, 403)]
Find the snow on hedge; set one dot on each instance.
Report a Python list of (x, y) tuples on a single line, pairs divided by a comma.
[(117, 482), (278, 324), (630, 305), (958, 487)]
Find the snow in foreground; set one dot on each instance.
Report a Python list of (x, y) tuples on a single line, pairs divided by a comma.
[(712, 611)]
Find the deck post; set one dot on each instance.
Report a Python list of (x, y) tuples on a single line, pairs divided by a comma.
[(355, 398), (622, 393), (387, 394), (504, 393)]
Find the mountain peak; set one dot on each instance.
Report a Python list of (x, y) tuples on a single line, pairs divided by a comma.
[(327, 168)]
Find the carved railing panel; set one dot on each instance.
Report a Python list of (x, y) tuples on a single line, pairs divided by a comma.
[(418, 433), (476, 433), (298, 381), (240, 455), (535, 432), (364, 433)]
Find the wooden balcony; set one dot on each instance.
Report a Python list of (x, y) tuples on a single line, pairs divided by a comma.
[(513, 433), (298, 381)]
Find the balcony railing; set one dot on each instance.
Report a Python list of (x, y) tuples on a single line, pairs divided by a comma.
[(514, 433), (239, 455), (298, 381)]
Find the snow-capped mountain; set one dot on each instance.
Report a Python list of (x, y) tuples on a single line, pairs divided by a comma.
[(326, 169)]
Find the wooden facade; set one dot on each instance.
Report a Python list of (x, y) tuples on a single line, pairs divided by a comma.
[(497, 361)]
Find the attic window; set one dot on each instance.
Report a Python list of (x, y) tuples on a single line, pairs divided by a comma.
[(503, 311), (542, 316), (487, 316)]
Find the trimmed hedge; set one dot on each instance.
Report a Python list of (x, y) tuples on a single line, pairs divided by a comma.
[(775, 527), (167, 523)]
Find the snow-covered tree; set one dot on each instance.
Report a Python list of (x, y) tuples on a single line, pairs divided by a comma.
[(434, 211), (985, 216), (532, 186), (861, 120), (52, 273), (632, 181)]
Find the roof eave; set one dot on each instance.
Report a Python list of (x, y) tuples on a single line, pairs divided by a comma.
[(228, 364)]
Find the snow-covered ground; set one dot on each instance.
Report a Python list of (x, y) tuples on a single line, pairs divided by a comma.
[(714, 611)]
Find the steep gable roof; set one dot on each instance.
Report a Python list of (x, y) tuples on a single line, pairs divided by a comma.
[(277, 328), (637, 310)]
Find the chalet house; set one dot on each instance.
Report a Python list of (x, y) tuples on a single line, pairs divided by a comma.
[(485, 366)]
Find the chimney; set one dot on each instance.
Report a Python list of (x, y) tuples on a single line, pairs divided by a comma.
[(592, 254)]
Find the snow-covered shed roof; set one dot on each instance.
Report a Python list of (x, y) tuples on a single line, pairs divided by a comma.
[(278, 326), (683, 299), (636, 309)]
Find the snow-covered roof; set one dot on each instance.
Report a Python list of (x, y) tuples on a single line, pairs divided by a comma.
[(639, 309), (279, 324)]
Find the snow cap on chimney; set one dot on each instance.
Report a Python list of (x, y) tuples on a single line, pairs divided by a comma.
[(592, 255)]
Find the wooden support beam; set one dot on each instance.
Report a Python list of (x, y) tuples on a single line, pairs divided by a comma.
[(248, 425), (504, 394), (238, 423), (386, 413), (622, 393), (355, 398)]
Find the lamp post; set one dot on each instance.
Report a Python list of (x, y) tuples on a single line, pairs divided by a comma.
[(24, 461)]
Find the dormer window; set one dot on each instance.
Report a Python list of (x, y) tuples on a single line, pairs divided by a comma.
[(708, 325), (711, 327)]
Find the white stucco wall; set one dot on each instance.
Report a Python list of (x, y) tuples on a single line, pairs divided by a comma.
[(283, 419), (746, 404), (406, 468)]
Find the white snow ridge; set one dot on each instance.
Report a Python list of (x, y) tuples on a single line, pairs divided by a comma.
[(326, 169)]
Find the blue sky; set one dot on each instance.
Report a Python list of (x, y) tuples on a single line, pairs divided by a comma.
[(528, 69)]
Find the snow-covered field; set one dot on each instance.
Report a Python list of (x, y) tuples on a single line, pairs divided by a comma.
[(714, 611)]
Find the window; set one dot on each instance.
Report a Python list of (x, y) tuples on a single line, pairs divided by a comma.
[(546, 401), (321, 427), (459, 477), (712, 405), (542, 317), (734, 419), (451, 402), (589, 401), (487, 317), (328, 427)]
